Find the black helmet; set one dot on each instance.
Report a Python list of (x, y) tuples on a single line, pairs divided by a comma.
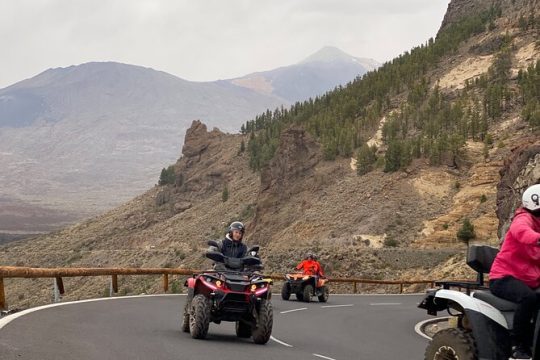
[(237, 225), (311, 255)]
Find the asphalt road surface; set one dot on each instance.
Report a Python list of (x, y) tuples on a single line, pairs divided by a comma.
[(148, 328)]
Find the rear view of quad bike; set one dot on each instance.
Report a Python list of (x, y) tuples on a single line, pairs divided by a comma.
[(305, 287), (484, 322), (233, 292)]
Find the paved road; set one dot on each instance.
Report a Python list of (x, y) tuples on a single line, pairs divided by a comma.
[(148, 328)]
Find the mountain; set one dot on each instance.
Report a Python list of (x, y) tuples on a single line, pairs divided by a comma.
[(85, 138), (315, 75), (377, 177), (82, 139)]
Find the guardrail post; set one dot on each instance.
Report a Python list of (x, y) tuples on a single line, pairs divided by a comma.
[(56, 291), (354, 287), (165, 282), (3, 305), (60, 285), (401, 288), (113, 286)]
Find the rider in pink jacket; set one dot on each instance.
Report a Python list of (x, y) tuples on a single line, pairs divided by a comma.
[(515, 273), (520, 254)]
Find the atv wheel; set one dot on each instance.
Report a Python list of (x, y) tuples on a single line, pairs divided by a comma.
[(325, 294), (451, 344), (299, 296), (265, 320), (308, 292), (200, 317), (185, 317), (243, 330), (286, 291)]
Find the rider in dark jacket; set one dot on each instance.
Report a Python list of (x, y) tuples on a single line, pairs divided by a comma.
[(232, 245)]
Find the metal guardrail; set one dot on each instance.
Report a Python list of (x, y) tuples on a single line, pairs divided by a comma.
[(7, 272)]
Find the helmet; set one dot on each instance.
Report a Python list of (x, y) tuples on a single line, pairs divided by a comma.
[(311, 255), (531, 198), (237, 225)]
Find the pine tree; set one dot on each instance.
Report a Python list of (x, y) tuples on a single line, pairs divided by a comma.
[(365, 159), (466, 232), (167, 176)]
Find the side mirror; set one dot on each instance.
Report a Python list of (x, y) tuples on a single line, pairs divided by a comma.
[(215, 256), (213, 243), (254, 248)]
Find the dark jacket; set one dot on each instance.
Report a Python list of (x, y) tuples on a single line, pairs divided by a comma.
[(234, 249)]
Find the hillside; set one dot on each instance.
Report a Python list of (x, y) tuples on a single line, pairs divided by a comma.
[(83, 139), (306, 180)]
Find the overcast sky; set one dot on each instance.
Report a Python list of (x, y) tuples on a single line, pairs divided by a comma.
[(205, 39)]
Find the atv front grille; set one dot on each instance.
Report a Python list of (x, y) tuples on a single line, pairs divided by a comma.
[(235, 303), (240, 287)]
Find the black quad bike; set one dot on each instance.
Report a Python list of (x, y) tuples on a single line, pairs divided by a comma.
[(484, 321), (305, 287), (234, 292)]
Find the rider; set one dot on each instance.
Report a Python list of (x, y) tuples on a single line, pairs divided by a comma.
[(515, 273), (232, 245), (310, 266)]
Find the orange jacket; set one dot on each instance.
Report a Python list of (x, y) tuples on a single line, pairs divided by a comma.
[(310, 267)]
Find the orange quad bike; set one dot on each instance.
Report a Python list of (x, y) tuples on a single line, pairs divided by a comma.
[(305, 287)]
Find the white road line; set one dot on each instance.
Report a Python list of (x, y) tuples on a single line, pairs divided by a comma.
[(293, 310), (9, 318), (418, 327), (384, 304), (336, 306), (323, 357), (280, 342)]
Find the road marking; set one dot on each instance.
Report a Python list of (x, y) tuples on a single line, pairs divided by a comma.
[(418, 327), (384, 304), (336, 306), (9, 318), (293, 310), (280, 342), (323, 357)]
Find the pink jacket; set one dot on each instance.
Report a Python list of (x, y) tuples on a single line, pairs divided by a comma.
[(520, 254)]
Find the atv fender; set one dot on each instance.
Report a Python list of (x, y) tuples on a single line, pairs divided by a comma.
[(190, 283), (467, 302)]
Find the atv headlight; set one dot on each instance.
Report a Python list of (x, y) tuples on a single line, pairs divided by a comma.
[(305, 277)]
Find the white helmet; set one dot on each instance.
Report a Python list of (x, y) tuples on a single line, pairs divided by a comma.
[(531, 198)]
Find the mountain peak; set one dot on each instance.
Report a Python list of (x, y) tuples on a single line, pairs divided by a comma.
[(328, 54), (332, 54)]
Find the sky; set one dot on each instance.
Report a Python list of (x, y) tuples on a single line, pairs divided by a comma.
[(204, 40)]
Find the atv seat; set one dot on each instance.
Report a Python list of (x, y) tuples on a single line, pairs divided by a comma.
[(496, 302)]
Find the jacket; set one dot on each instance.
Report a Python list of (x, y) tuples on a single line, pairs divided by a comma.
[(310, 267), (520, 252), (234, 249)]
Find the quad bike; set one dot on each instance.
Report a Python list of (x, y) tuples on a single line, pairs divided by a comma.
[(234, 292), (305, 287), (484, 321)]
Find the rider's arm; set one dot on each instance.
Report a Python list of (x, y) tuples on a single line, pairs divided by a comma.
[(321, 273), (522, 229), (300, 266)]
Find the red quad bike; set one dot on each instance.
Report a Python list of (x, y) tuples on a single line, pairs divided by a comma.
[(232, 292), (305, 287)]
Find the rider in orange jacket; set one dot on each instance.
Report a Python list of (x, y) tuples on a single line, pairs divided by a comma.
[(310, 266)]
